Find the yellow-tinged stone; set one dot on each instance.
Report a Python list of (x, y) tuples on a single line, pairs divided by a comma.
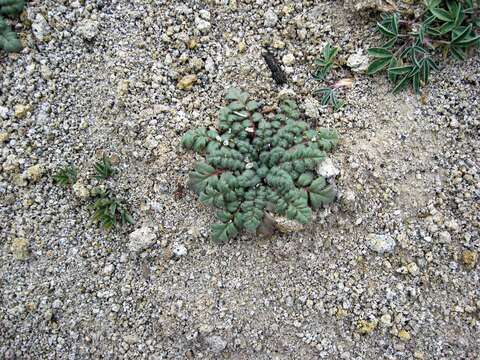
[(192, 44), (242, 46), (80, 190), (341, 313), (285, 225), (404, 335), (34, 173), (469, 258), (288, 9), (122, 87), (366, 327), (3, 137), (19, 180), (22, 110), (19, 248), (419, 355), (187, 82)]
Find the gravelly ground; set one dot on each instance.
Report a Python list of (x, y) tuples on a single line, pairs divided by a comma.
[(409, 170)]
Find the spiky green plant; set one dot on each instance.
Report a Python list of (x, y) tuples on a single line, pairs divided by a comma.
[(323, 67), (8, 38), (66, 176), (109, 211), (104, 168), (409, 46), (325, 63), (255, 165)]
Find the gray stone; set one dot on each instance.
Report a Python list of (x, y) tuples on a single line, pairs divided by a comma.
[(216, 344), (202, 25), (270, 18), (40, 27), (358, 63), (88, 29), (141, 239), (381, 243), (19, 248)]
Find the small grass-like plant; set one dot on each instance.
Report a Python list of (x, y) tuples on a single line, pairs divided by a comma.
[(8, 39), (325, 63), (109, 211), (256, 165), (66, 176), (409, 46), (104, 169), (323, 67)]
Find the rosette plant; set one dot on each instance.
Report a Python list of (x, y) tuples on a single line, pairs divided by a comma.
[(257, 165)]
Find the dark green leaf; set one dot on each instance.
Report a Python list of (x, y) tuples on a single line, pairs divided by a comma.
[(378, 65), (379, 53), (400, 70), (402, 84), (386, 31), (442, 14)]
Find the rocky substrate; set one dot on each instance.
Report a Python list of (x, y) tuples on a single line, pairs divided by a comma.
[(388, 271)]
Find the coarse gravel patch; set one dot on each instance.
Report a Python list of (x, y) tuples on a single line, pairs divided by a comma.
[(101, 77)]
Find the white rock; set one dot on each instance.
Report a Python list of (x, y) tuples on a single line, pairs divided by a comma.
[(311, 107), (209, 65), (57, 304), (327, 168), (288, 59), (179, 250), (444, 237), (141, 239), (80, 190), (88, 29), (270, 18), (108, 270), (202, 25), (3, 112), (286, 93), (205, 14), (358, 62), (150, 142), (285, 225), (380, 243), (40, 27)]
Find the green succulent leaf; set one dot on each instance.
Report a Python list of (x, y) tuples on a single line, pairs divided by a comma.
[(320, 193), (221, 232), (11, 7), (8, 38), (327, 139)]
